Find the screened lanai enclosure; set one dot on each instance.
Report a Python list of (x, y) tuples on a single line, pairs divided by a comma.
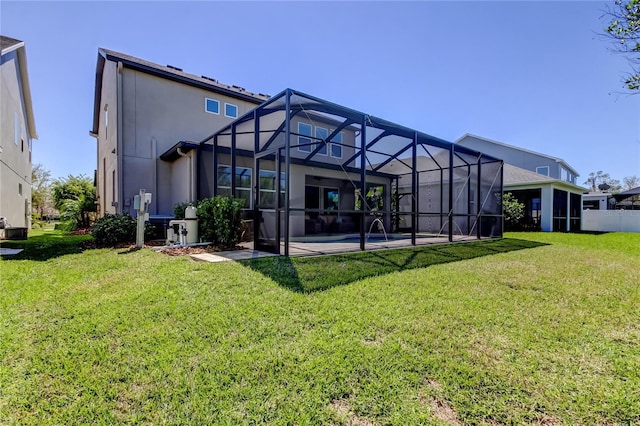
[(311, 171)]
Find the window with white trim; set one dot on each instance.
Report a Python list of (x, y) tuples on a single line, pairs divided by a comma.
[(304, 137), (543, 170), (336, 146), (243, 184), (212, 106), (230, 110), (321, 135)]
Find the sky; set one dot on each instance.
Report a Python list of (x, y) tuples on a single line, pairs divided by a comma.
[(538, 75)]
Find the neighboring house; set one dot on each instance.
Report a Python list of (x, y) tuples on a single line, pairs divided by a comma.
[(141, 110), (598, 200), (546, 185), (17, 130)]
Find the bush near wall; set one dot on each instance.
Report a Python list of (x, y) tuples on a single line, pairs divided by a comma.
[(219, 220), (113, 229)]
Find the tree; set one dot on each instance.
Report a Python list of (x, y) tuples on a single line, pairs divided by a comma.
[(630, 182), (512, 209), (600, 181), (41, 197), (75, 198), (624, 29)]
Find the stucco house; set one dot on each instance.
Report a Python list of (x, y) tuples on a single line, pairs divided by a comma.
[(17, 131), (141, 110), (545, 184), (303, 166)]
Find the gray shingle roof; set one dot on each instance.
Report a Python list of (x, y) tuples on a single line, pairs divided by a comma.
[(7, 42), (517, 176), (177, 73)]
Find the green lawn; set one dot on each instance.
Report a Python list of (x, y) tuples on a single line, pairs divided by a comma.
[(534, 328)]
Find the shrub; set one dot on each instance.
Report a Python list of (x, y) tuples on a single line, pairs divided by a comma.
[(219, 220), (112, 229), (513, 210)]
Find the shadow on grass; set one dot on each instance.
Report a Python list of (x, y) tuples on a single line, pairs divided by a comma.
[(309, 274), (47, 246)]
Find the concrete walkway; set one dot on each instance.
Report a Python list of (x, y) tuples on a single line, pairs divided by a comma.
[(9, 251), (225, 256)]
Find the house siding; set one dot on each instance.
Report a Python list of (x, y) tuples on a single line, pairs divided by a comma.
[(15, 146), (149, 126), (523, 159), (107, 174)]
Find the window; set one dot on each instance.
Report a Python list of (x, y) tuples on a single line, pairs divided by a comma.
[(336, 146), (543, 170), (23, 135), (231, 110), (304, 137), (322, 133), (212, 106), (243, 183), (19, 189), (331, 198), (267, 185)]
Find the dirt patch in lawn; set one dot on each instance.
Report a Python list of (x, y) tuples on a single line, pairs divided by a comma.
[(343, 409)]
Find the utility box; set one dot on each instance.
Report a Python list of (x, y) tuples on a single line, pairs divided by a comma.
[(184, 231), (14, 233)]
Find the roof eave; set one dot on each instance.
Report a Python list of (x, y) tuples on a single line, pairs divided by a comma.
[(26, 88), (97, 96)]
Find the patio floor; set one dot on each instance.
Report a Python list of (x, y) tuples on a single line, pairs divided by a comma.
[(311, 247), (320, 246)]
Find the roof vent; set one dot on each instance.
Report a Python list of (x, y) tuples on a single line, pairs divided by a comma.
[(174, 68), (209, 78), (238, 88)]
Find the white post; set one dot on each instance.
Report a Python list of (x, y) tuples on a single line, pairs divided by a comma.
[(141, 205), (568, 211)]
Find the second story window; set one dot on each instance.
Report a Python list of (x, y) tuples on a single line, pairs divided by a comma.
[(336, 146), (212, 106), (230, 110), (543, 170), (304, 137), (321, 135)]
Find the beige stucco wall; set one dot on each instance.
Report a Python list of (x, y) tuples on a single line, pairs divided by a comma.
[(107, 175), (15, 147), (156, 114)]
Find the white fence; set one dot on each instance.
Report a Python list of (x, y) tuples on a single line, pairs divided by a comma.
[(611, 220)]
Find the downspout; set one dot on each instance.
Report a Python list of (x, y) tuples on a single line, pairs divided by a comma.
[(182, 154), (154, 175)]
